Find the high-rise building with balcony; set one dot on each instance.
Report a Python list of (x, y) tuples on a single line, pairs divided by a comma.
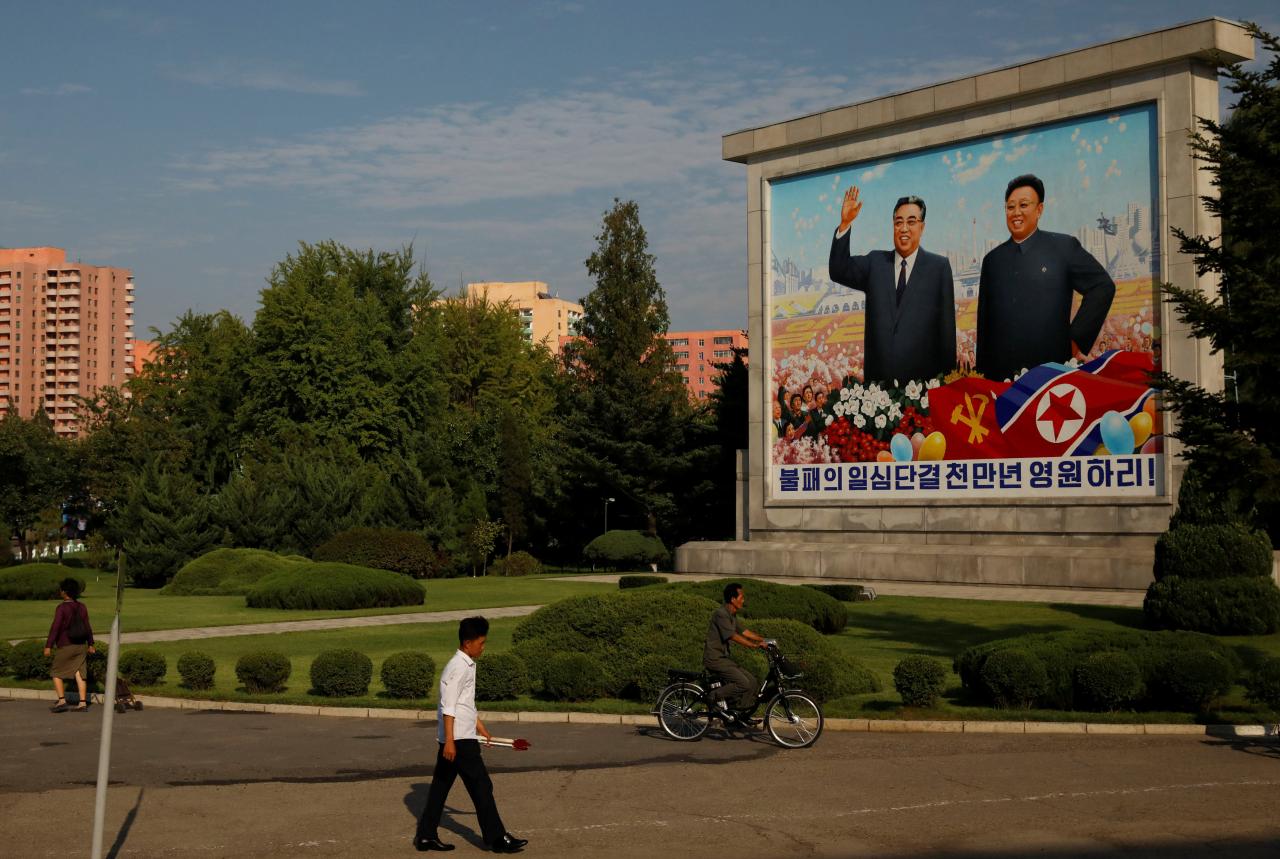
[(66, 330), (544, 318), (697, 353)]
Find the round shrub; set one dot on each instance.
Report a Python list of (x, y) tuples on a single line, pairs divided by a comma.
[(1263, 685), (1015, 678), (770, 600), (341, 673), (1240, 605), (649, 676), (517, 564), (629, 549), (34, 581), (407, 674), (28, 662), (1108, 680), (500, 677), (1212, 551), (264, 671), (574, 677), (227, 571), (196, 670), (96, 666), (1191, 679), (5, 649), (382, 549), (842, 593), (827, 672), (142, 667), (333, 586), (919, 680), (628, 582)]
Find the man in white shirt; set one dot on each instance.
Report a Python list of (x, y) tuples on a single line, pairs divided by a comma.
[(458, 733)]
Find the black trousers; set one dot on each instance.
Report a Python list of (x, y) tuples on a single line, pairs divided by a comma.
[(470, 765)]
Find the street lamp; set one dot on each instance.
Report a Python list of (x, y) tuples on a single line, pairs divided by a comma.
[(607, 501)]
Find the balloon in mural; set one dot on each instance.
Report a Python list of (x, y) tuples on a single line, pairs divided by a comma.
[(900, 447), (1141, 425), (1117, 435), (916, 441), (884, 456), (934, 447)]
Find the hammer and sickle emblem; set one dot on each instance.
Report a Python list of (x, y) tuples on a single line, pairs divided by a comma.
[(972, 418)]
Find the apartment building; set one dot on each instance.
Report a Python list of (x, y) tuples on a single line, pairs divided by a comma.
[(66, 330), (545, 318), (697, 353)]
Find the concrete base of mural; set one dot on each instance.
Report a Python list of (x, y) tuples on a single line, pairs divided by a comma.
[(1028, 566)]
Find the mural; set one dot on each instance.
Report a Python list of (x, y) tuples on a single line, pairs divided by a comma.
[(975, 320)]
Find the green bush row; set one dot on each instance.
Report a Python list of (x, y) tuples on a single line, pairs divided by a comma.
[(1238, 605), (628, 582), (35, 581), (769, 600), (1097, 670), (625, 549), (384, 549), (333, 586), (228, 571)]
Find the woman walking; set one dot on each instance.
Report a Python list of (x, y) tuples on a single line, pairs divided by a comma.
[(73, 638)]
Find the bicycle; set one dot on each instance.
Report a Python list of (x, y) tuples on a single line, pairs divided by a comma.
[(686, 707)]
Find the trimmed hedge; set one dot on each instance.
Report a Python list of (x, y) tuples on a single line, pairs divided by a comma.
[(919, 680), (501, 676), (35, 581), (341, 673), (1225, 606), (96, 665), (1061, 653), (383, 549), (143, 667), (574, 677), (628, 582), (769, 600), (519, 564), (827, 672), (5, 649), (407, 674), (1108, 680), (1263, 685), (196, 670), (631, 549), (263, 671), (841, 593), (1213, 551), (228, 571), (334, 586), (28, 662), (1015, 678), (1192, 679)]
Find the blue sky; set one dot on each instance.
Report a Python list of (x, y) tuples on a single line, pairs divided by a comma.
[(198, 144), (1090, 165)]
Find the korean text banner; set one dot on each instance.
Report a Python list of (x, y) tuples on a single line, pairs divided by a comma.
[(975, 320)]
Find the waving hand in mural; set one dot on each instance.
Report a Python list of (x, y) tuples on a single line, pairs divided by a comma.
[(850, 208)]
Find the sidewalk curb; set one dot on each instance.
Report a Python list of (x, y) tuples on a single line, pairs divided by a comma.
[(897, 726)]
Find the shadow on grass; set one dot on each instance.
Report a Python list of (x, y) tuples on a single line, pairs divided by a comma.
[(937, 636), (1125, 616)]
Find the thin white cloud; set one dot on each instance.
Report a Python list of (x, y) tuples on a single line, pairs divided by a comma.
[(62, 89), (228, 74)]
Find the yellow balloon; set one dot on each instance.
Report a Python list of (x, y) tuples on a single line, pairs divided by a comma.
[(1141, 424), (933, 447), (1101, 450)]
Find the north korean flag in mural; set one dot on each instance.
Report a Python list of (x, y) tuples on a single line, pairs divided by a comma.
[(1054, 410)]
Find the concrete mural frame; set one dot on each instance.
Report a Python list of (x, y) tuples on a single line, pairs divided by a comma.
[(1096, 543)]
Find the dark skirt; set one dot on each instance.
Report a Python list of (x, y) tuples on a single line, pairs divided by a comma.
[(69, 659)]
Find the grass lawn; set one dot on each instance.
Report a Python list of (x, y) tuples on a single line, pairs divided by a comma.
[(149, 609)]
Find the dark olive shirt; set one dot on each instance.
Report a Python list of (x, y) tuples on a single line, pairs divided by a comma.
[(724, 625)]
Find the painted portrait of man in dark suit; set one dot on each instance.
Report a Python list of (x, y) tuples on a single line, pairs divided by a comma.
[(1026, 288), (910, 296)]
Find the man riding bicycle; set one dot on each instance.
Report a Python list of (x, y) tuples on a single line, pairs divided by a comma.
[(739, 689)]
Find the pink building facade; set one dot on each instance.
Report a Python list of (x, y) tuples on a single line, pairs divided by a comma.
[(66, 330), (697, 353)]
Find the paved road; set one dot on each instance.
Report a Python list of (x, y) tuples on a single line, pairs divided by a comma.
[(255, 785)]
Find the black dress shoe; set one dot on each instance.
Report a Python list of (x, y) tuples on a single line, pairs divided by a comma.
[(508, 843), (425, 844)]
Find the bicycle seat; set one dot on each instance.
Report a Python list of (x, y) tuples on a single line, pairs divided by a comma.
[(681, 674)]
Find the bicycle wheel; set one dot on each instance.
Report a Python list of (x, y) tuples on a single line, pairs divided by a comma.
[(794, 720), (682, 713)]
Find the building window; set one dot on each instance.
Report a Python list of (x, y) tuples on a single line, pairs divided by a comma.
[(723, 341), (702, 343), (701, 380)]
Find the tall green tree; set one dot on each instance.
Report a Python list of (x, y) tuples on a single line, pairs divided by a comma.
[(628, 409), (165, 523), (1233, 437), (35, 474)]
